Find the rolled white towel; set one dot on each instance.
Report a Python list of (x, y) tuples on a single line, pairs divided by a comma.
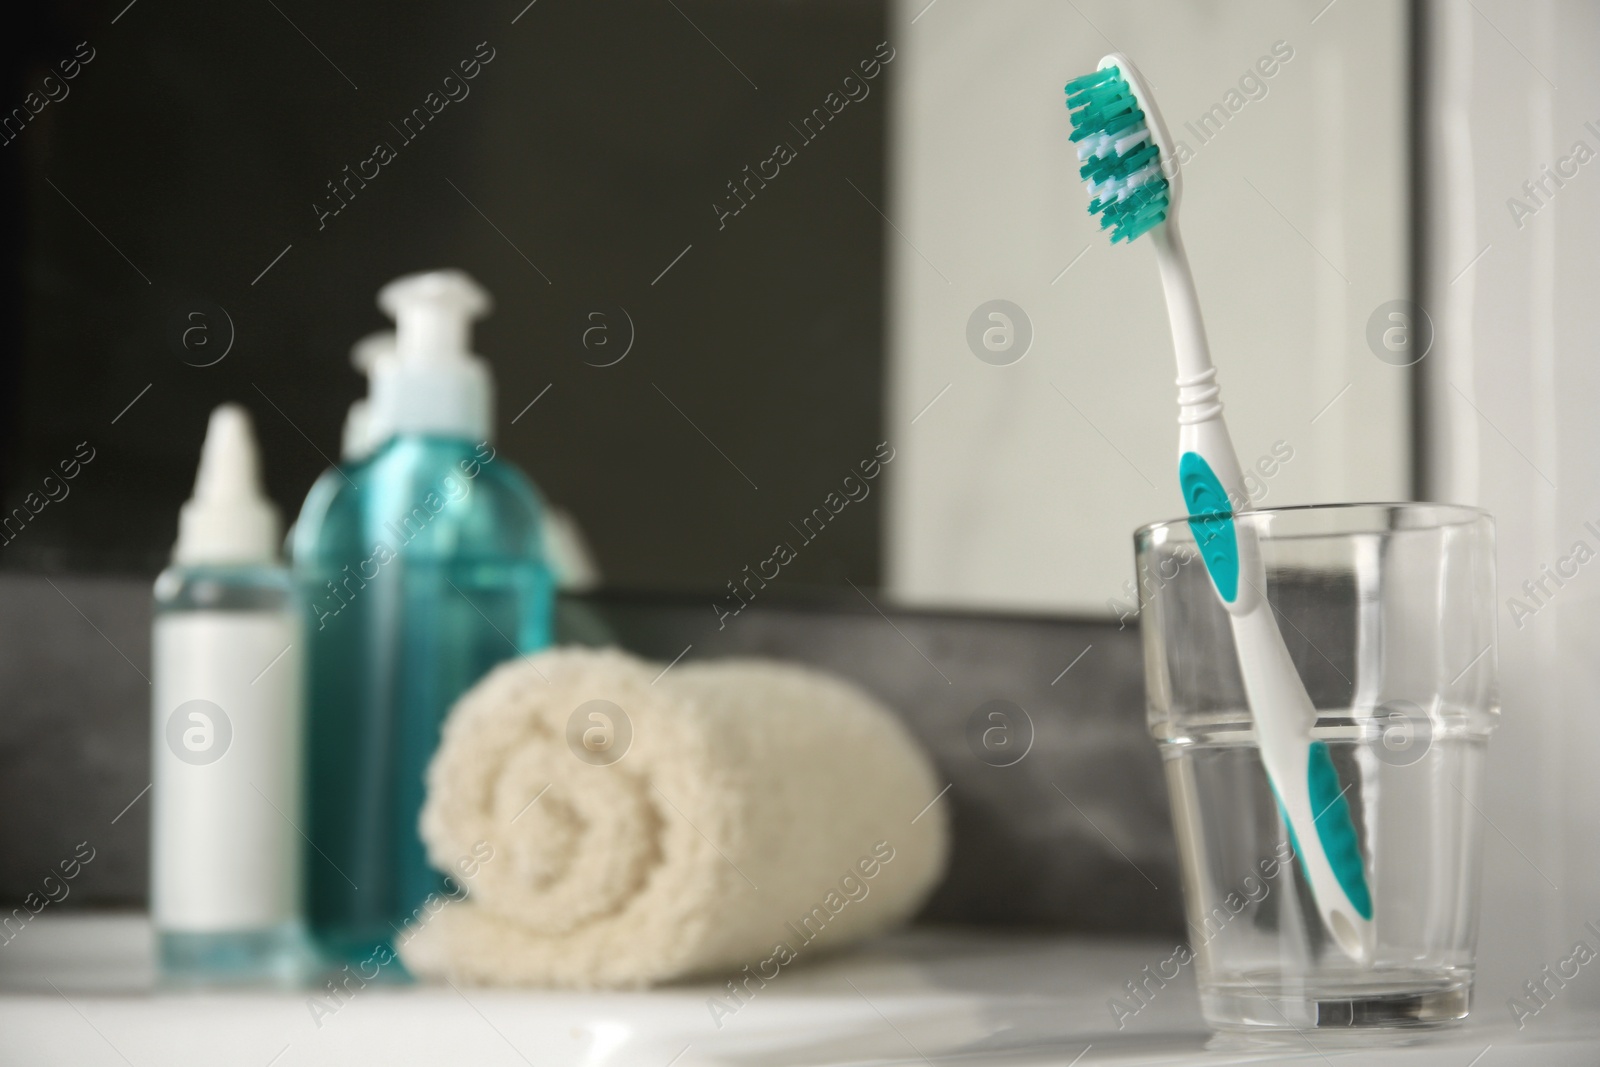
[(758, 813)]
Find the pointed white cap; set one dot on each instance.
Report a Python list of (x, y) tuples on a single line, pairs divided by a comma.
[(229, 519), (434, 384), (365, 355)]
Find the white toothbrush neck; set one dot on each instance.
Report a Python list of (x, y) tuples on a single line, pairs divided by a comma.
[(1201, 428), (1199, 397)]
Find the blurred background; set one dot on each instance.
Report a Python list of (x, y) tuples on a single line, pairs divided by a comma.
[(697, 336), (720, 348)]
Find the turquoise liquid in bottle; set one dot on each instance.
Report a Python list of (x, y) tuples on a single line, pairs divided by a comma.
[(421, 567)]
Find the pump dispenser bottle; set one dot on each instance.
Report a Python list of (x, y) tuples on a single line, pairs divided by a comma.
[(422, 567), (356, 440), (227, 704)]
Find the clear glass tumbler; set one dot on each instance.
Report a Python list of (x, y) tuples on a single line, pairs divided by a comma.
[(1388, 614)]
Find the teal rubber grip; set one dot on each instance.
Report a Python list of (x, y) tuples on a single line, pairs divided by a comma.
[(1336, 829), (1211, 522)]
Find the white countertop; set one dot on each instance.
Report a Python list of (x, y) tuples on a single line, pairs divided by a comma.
[(80, 991)]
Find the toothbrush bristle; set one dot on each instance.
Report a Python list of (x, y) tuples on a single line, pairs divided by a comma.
[(1121, 162)]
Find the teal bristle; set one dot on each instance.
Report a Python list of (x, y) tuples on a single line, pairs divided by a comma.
[(1128, 192)]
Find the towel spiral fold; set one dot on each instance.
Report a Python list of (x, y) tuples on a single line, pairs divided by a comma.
[(641, 826)]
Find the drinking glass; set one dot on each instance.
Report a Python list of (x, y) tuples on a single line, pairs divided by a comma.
[(1388, 613)]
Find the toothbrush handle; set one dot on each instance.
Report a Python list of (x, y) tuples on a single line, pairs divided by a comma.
[(1299, 769), (1183, 304), (1208, 470), (1303, 778)]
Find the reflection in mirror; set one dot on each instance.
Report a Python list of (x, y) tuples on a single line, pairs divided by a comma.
[(784, 299)]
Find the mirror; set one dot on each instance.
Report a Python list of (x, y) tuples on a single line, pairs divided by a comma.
[(813, 275)]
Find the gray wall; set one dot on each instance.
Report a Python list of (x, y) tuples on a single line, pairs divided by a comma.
[(74, 747)]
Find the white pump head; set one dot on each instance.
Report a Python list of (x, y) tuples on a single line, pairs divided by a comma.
[(365, 355), (434, 384), (229, 519)]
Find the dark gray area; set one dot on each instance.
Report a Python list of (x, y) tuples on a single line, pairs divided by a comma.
[(1075, 835), (604, 142)]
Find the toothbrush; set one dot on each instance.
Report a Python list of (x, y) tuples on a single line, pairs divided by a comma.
[(1134, 185)]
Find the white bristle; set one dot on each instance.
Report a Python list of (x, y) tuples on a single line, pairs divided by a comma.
[(1131, 140), (1142, 175)]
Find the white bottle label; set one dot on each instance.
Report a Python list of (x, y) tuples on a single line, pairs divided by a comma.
[(225, 740)]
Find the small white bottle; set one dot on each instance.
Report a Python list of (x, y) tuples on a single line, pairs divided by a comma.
[(227, 716)]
